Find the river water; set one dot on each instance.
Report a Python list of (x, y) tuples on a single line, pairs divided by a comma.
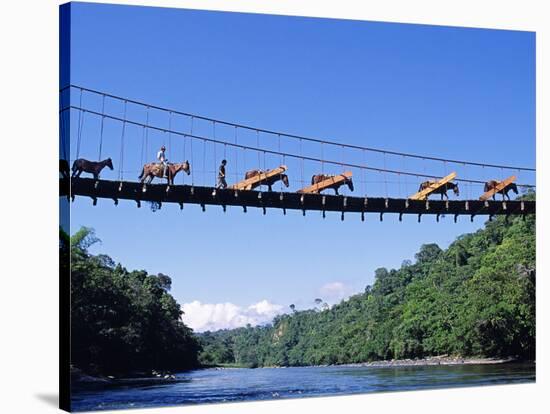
[(242, 384)]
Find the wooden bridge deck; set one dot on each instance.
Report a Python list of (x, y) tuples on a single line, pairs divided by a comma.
[(186, 194)]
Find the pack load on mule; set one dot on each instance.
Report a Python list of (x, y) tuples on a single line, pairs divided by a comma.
[(255, 178), (93, 167), (321, 182), (492, 187), (154, 169), (436, 187)]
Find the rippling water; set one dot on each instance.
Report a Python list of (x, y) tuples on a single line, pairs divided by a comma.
[(213, 385)]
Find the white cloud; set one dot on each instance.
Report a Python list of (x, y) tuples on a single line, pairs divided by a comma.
[(334, 292), (213, 316)]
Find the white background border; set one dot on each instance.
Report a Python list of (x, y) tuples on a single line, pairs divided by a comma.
[(29, 217)]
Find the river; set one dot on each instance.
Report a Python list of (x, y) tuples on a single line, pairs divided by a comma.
[(242, 384)]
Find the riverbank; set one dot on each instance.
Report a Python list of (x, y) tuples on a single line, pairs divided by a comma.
[(428, 361), (435, 360)]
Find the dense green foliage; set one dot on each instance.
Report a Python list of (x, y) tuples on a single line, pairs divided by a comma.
[(123, 321), (476, 298)]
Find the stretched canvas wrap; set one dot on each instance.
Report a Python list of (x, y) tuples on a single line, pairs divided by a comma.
[(259, 207)]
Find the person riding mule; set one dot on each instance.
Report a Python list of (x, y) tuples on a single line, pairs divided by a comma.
[(153, 169), (161, 156)]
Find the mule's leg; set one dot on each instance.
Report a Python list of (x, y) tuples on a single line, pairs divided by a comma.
[(269, 187), (336, 191)]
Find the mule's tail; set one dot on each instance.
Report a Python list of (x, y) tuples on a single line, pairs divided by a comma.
[(486, 187), (142, 172), (312, 179)]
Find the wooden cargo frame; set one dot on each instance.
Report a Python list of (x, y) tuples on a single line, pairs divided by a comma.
[(423, 195), (249, 182), (499, 187), (323, 185)]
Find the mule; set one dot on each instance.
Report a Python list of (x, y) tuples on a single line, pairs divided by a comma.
[(322, 177), (153, 169), (269, 181), (93, 167), (491, 184), (440, 190), (64, 169)]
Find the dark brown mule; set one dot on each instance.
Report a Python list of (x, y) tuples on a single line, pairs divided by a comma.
[(154, 169), (440, 190), (322, 177), (491, 184), (64, 169), (81, 165), (269, 182)]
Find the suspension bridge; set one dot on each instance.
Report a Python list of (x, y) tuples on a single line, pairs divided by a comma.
[(268, 169)]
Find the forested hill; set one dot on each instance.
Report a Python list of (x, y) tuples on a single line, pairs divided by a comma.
[(122, 321), (476, 298)]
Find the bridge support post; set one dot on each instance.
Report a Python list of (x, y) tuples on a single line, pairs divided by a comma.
[(456, 217), (362, 216), (342, 216), (437, 217), (381, 216), (181, 206), (400, 216), (138, 202), (203, 207), (419, 218), (224, 208), (472, 218), (244, 209)]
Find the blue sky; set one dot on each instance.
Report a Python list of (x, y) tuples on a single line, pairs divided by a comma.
[(448, 92)]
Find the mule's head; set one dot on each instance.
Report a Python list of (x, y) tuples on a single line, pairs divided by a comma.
[(284, 179), (109, 163), (186, 167), (349, 182), (455, 190)]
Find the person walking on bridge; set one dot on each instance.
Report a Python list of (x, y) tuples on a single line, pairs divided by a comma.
[(221, 176), (161, 156)]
